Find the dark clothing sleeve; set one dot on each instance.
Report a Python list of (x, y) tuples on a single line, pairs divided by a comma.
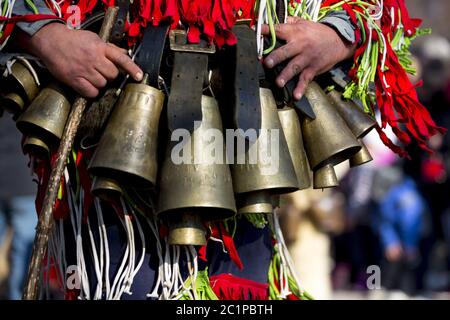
[(341, 22), (30, 28)]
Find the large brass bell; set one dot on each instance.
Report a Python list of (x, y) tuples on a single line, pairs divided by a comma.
[(127, 151), (21, 89), (328, 140), (45, 118), (293, 133), (255, 182), (193, 189), (358, 121)]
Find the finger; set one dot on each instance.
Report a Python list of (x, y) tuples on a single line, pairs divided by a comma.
[(305, 78), (96, 79), (282, 30), (85, 88), (107, 69), (285, 52), (124, 62), (116, 47), (294, 67)]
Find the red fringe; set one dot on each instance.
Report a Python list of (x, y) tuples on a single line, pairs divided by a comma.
[(229, 287)]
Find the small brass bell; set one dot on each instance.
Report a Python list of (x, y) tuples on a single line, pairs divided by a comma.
[(255, 202), (362, 157), (328, 140), (46, 116), (12, 103), (22, 80), (194, 188), (19, 89), (106, 188), (35, 146), (187, 229), (325, 177), (357, 120), (255, 181), (293, 133), (127, 151)]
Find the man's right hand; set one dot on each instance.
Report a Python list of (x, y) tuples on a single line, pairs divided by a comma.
[(80, 59)]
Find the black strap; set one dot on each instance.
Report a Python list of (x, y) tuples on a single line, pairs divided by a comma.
[(151, 52), (184, 105), (247, 104)]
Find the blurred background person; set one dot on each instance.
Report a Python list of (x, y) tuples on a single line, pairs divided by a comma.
[(17, 207)]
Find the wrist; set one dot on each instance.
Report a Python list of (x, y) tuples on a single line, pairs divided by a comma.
[(39, 41)]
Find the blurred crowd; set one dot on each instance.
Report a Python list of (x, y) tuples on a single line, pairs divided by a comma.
[(392, 215)]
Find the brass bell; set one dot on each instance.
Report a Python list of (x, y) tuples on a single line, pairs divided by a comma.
[(255, 181), (255, 202), (105, 188), (19, 89), (192, 186), (362, 157), (325, 177), (293, 133), (328, 139), (127, 151), (22, 81), (46, 116), (187, 229), (357, 120), (12, 103), (35, 146)]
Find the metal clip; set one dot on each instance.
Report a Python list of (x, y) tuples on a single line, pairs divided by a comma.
[(178, 42)]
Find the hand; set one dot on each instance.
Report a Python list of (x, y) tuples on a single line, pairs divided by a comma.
[(80, 58), (312, 48), (394, 252)]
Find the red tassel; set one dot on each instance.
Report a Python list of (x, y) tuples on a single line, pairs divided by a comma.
[(229, 287)]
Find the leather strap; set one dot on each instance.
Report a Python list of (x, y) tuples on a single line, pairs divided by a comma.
[(184, 105), (151, 52), (247, 104)]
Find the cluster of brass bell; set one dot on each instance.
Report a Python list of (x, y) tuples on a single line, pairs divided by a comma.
[(334, 136), (191, 192), (40, 115), (126, 155)]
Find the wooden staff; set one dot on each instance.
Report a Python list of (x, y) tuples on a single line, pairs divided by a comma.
[(45, 223)]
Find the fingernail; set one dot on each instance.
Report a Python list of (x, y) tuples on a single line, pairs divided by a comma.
[(269, 63), (298, 96), (281, 82), (139, 76)]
